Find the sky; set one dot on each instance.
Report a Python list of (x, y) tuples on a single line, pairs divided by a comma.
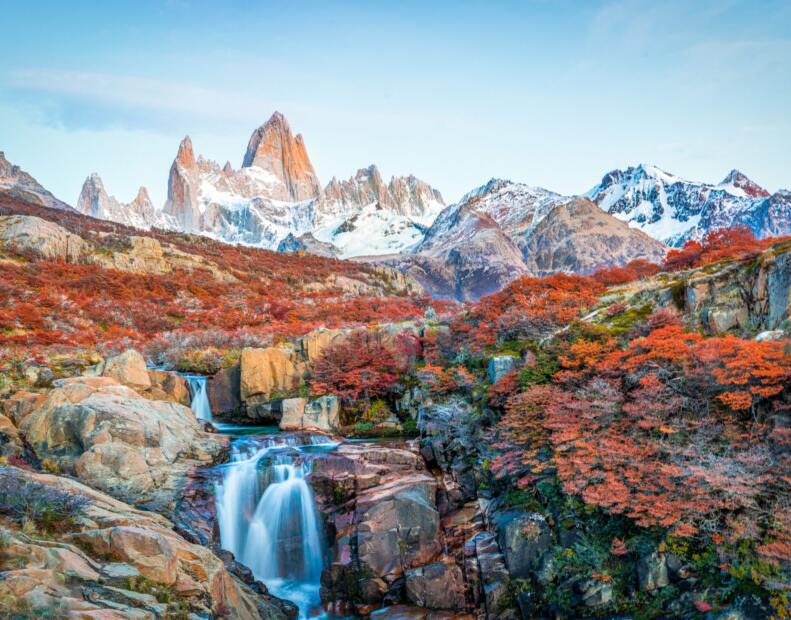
[(547, 92)]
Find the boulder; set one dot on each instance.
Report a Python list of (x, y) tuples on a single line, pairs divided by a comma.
[(523, 537), (652, 572), (144, 256), (42, 237), (116, 440), (501, 365), (128, 368), (436, 586), (167, 385), (265, 372), (397, 525), (321, 414), (223, 391)]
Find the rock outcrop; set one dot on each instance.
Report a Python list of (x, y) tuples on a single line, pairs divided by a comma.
[(42, 237), (746, 298), (321, 414)]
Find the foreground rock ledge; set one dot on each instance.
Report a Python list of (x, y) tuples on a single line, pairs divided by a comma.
[(102, 567)]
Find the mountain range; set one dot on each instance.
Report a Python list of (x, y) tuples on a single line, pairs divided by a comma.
[(496, 232)]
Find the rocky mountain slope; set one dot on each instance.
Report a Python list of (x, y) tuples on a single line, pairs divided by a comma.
[(503, 230), (578, 237), (17, 183), (674, 210)]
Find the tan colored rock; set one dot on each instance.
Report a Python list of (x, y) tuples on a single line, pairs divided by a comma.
[(20, 404), (269, 370), (41, 236), (117, 441), (321, 414), (144, 256), (128, 368), (314, 343), (167, 385)]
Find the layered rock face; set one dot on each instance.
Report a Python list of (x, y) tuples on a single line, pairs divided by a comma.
[(747, 299), (19, 184), (674, 210)]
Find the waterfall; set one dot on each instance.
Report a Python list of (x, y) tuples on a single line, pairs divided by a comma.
[(200, 399), (268, 518)]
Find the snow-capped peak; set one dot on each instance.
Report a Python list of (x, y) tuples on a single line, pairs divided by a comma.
[(738, 184)]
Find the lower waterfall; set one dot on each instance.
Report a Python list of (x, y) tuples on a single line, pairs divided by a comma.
[(268, 518)]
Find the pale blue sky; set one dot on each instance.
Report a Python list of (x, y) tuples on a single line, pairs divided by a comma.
[(551, 93)]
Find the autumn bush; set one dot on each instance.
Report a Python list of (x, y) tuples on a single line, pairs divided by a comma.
[(364, 365), (737, 243)]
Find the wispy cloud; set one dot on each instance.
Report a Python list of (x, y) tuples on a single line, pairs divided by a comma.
[(85, 98)]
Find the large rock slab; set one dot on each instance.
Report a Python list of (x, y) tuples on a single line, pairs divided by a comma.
[(316, 342), (116, 440), (167, 385), (523, 537)]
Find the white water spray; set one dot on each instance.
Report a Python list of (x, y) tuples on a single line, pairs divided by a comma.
[(268, 518)]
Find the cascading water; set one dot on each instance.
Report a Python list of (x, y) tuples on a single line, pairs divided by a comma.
[(268, 518), (200, 399)]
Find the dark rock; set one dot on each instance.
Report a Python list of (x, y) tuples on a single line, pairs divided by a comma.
[(595, 592), (223, 391), (523, 538), (436, 586), (652, 572)]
